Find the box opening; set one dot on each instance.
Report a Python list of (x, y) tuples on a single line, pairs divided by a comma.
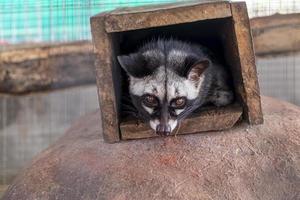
[(216, 34)]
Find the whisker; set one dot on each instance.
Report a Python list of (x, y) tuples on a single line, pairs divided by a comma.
[(178, 128)]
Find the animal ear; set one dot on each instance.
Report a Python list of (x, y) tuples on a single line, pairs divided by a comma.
[(136, 65), (132, 64), (197, 69)]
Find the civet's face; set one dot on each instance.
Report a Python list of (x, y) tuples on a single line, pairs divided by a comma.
[(163, 95)]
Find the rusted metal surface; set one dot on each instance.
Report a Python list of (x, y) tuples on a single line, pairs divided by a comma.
[(257, 162)]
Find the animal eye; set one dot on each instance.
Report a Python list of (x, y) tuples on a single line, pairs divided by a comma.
[(179, 102), (150, 101)]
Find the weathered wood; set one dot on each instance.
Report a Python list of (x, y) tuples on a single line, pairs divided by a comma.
[(209, 120), (147, 17), (110, 31), (25, 52), (28, 69), (251, 94), (276, 34), (106, 93)]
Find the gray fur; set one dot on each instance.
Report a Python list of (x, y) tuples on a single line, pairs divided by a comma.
[(167, 70)]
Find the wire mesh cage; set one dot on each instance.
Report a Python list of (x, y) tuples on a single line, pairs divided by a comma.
[(68, 20), (30, 122), (54, 21)]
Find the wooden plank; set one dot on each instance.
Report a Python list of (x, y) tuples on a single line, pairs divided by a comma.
[(275, 20), (158, 7), (251, 97), (210, 120), (103, 50), (276, 34), (40, 67), (24, 52), (143, 17)]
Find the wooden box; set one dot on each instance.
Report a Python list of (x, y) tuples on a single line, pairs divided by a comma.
[(222, 26)]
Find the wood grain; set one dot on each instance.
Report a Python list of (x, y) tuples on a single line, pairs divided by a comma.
[(251, 94), (145, 17), (107, 46), (276, 34), (210, 120), (26, 69), (103, 64)]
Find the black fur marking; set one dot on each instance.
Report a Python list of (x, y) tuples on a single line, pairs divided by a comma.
[(142, 64), (138, 65), (129, 64), (182, 58)]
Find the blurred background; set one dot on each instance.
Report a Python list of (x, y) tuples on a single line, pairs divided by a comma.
[(46, 67)]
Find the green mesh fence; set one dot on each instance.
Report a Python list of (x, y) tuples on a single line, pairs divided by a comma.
[(54, 20), (68, 20)]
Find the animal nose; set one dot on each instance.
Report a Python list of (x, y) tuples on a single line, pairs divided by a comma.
[(163, 129)]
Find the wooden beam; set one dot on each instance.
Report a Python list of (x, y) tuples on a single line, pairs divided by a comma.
[(250, 89), (24, 52), (169, 14), (29, 68), (276, 34), (209, 120), (107, 97)]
